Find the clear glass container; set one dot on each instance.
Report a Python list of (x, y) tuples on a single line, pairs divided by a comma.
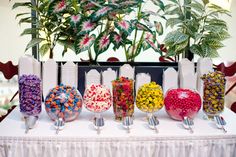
[(181, 103), (97, 98), (150, 98), (123, 97), (213, 93), (30, 95), (63, 102)]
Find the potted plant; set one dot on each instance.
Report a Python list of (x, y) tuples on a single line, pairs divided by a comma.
[(196, 27), (92, 26)]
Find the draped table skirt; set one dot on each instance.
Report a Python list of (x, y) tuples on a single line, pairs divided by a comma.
[(80, 139)]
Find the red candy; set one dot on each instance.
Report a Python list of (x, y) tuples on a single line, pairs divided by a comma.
[(123, 97), (97, 98), (180, 103)]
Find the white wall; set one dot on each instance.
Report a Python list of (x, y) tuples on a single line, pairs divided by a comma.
[(228, 53), (12, 46)]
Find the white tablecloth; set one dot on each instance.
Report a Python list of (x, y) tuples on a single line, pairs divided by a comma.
[(80, 139)]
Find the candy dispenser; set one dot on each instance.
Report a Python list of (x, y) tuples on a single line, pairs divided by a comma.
[(213, 96), (30, 99), (123, 97), (213, 93), (180, 103), (63, 103), (97, 99), (183, 104), (150, 99)]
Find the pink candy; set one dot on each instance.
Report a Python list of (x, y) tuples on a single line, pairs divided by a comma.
[(180, 103), (97, 98)]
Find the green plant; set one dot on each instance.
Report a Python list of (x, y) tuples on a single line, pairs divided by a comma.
[(196, 26), (92, 26), (46, 27)]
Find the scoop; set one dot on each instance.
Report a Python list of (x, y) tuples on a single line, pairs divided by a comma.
[(127, 123), (59, 125), (30, 122), (153, 122), (188, 124), (98, 124), (220, 123)]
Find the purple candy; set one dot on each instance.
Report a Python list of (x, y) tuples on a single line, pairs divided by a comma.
[(30, 95)]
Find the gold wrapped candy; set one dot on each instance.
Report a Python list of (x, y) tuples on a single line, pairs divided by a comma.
[(213, 93), (150, 97)]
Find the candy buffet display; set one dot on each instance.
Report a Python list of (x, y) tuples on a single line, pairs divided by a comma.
[(30, 95), (97, 99), (181, 103), (123, 97), (63, 102), (213, 93)]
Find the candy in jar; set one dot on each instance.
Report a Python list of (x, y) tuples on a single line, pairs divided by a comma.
[(63, 102), (150, 98), (180, 103), (213, 93), (30, 95), (123, 97), (97, 98)]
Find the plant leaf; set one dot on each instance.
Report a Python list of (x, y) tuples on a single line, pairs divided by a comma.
[(173, 11), (100, 13), (174, 1), (67, 43), (175, 37), (84, 43), (142, 27), (173, 22), (86, 27), (159, 3), (44, 49), (75, 19), (159, 27), (124, 26), (21, 14), (30, 31), (148, 37), (34, 42), (22, 4), (197, 6), (213, 42), (196, 49), (116, 39), (152, 44), (181, 46), (102, 43), (57, 6)]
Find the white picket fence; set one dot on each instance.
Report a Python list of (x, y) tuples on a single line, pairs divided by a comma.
[(185, 77)]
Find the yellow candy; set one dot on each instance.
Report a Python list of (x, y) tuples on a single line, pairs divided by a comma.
[(150, 97)]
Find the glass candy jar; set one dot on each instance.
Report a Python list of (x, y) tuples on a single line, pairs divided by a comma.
[(123, 97), (213, 93), (181, 103), (30, 95), (150, 98), (63, 102), (97, 98)]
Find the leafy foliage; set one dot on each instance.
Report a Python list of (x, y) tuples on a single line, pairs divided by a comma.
[(197, 22), (74, 23)]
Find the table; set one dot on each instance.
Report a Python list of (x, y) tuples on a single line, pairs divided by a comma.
[(79, 138)]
